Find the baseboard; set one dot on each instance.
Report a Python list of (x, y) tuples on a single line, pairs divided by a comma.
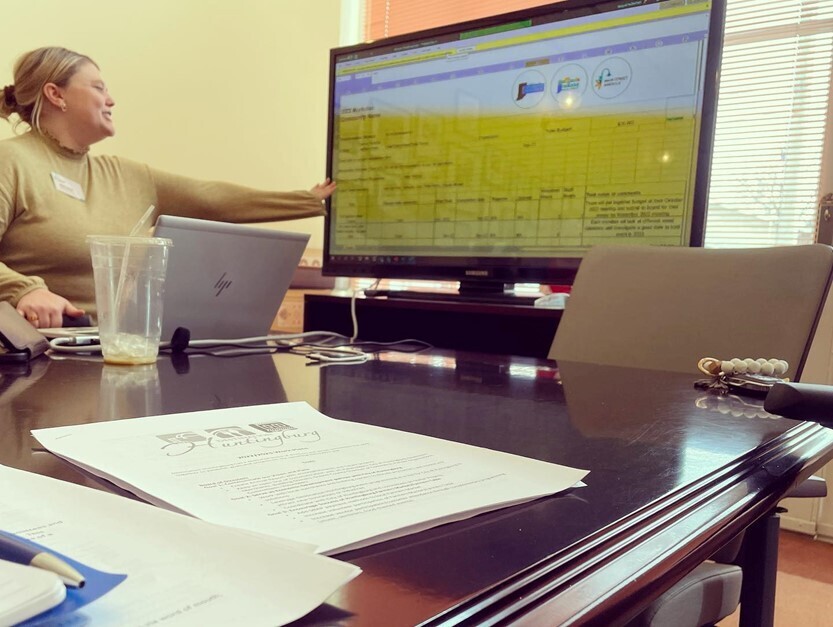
[(825, 531), (801, 525)]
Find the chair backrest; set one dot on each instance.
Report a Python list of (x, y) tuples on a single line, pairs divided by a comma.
[(664, 308)]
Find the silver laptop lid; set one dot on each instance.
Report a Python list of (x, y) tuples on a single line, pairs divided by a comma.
[(225, 280)]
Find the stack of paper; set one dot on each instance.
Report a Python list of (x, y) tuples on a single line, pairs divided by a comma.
[(289, 471), (180, 570)]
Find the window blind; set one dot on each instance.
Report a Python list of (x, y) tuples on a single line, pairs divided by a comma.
[(771, 122), (385, 18), (772, 115)]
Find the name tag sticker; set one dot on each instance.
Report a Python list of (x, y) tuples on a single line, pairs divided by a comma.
[(67, 186)]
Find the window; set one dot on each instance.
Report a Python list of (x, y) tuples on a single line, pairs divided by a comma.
[(384, 18), (773, 115)]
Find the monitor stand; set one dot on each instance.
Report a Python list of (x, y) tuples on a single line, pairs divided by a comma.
[(490, 292)]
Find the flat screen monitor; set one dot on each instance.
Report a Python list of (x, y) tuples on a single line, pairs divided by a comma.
[(500, 150)]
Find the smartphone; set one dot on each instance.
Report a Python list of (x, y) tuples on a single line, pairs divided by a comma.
[(14, 357)]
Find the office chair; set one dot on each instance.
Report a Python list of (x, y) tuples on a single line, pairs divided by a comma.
[(665, 308)]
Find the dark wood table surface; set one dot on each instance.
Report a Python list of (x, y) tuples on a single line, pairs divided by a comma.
[(674, 471)]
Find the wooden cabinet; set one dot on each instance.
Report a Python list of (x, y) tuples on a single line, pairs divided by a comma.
[(503, 329), (290, 316)]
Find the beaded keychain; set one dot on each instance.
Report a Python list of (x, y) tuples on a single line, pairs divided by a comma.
[(769, 367), (755, 376), (733, 405)]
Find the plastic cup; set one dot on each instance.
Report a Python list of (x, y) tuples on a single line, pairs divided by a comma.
[(129, 275), (132, 391)]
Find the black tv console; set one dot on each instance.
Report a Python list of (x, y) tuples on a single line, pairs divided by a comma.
[(500, 328)]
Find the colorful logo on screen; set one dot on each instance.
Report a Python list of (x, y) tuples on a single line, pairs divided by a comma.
[(524, 89), (568, 84), (612, 77)]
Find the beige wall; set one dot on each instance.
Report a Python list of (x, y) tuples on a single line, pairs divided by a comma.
[(212, 89)]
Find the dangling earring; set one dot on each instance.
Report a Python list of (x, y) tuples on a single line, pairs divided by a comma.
[(63, 106)]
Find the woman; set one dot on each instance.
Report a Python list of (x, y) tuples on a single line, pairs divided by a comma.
[(53, 193)]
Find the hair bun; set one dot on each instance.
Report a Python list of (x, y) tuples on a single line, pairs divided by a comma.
[(8, 96)]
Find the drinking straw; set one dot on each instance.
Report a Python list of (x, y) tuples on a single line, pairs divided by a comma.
[(141, 225), (144, 221)]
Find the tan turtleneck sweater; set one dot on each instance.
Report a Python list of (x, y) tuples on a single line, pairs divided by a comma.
[(43, 230)]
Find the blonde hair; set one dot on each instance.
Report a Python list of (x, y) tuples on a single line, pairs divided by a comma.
[(32, 71)]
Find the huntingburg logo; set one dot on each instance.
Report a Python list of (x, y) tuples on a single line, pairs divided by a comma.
[(268, 435)]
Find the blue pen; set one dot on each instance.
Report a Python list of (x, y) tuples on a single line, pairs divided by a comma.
[(14, 550)]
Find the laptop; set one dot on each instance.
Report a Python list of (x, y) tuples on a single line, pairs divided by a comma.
[(225, 280)]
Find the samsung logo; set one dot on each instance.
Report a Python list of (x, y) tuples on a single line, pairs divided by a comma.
[(477, 273)]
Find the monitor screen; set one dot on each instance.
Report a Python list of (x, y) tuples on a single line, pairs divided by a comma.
[(500, 150)]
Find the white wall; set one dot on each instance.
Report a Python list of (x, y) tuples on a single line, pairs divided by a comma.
[(212, 89)]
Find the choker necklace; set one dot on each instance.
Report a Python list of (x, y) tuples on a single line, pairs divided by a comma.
[(69, 152)]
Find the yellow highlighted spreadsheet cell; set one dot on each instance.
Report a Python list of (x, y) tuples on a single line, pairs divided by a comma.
[(545, 180)]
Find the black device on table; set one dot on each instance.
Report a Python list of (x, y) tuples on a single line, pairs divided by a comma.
[(801, 401)]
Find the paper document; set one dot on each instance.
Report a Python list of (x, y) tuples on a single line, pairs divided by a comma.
[(180, 571), (288, 470)]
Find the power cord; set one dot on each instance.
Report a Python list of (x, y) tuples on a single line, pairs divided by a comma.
[(353, 315), (80, 344), (317, 346), (335, 354), (322, 347), (181, 341), (356, 352)]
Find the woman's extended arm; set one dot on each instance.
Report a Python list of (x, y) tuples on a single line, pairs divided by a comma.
[(211, 200)]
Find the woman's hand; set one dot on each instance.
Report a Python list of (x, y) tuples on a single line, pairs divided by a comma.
[(44, 310), (324, 190)]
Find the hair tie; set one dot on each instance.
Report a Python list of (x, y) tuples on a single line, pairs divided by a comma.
[(8, 96)]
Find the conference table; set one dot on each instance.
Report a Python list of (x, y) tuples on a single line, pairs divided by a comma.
[(675, 471)]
